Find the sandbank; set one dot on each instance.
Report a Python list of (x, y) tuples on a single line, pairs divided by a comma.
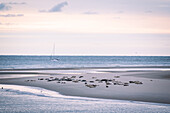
[(154, 87)]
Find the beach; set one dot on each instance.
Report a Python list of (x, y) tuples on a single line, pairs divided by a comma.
[(134, 84)]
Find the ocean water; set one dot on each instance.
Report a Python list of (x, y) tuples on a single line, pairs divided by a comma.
[(32, 99), (15, 62), (15, 98)]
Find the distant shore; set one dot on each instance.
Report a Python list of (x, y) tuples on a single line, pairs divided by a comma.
[(146, 86)]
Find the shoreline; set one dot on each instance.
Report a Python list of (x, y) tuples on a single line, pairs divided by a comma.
[(150, 91)]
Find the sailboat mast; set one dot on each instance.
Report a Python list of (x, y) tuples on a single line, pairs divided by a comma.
[(53, 54), (54, 50)]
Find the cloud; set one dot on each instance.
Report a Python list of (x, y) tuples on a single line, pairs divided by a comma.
[(164, 6), (120, 12), (4, 7), (12, 15), (17, 3), (117, 17), (56, 8), (43, 11), (149, 11), (90, 13), (7, 24)]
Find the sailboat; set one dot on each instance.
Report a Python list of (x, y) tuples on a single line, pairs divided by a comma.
[(52, 58)]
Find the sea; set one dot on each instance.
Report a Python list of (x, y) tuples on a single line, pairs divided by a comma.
[(19, 62), (17, 99)]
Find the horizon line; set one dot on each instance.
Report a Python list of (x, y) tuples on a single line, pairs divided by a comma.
[(75, 55)]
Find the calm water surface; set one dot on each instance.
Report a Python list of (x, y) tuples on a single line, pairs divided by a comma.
[(10, 62)]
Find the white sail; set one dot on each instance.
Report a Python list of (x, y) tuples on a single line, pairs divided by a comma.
[(53, 57)]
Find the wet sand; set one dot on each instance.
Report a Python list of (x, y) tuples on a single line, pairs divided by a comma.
[(153, 87)]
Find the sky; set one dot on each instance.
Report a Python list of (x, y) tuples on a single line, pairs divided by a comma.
[(85, 27)]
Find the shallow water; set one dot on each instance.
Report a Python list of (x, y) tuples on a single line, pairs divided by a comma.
[(15, 98)]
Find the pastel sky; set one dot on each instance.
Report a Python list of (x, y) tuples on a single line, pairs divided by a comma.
[(85, 27)]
